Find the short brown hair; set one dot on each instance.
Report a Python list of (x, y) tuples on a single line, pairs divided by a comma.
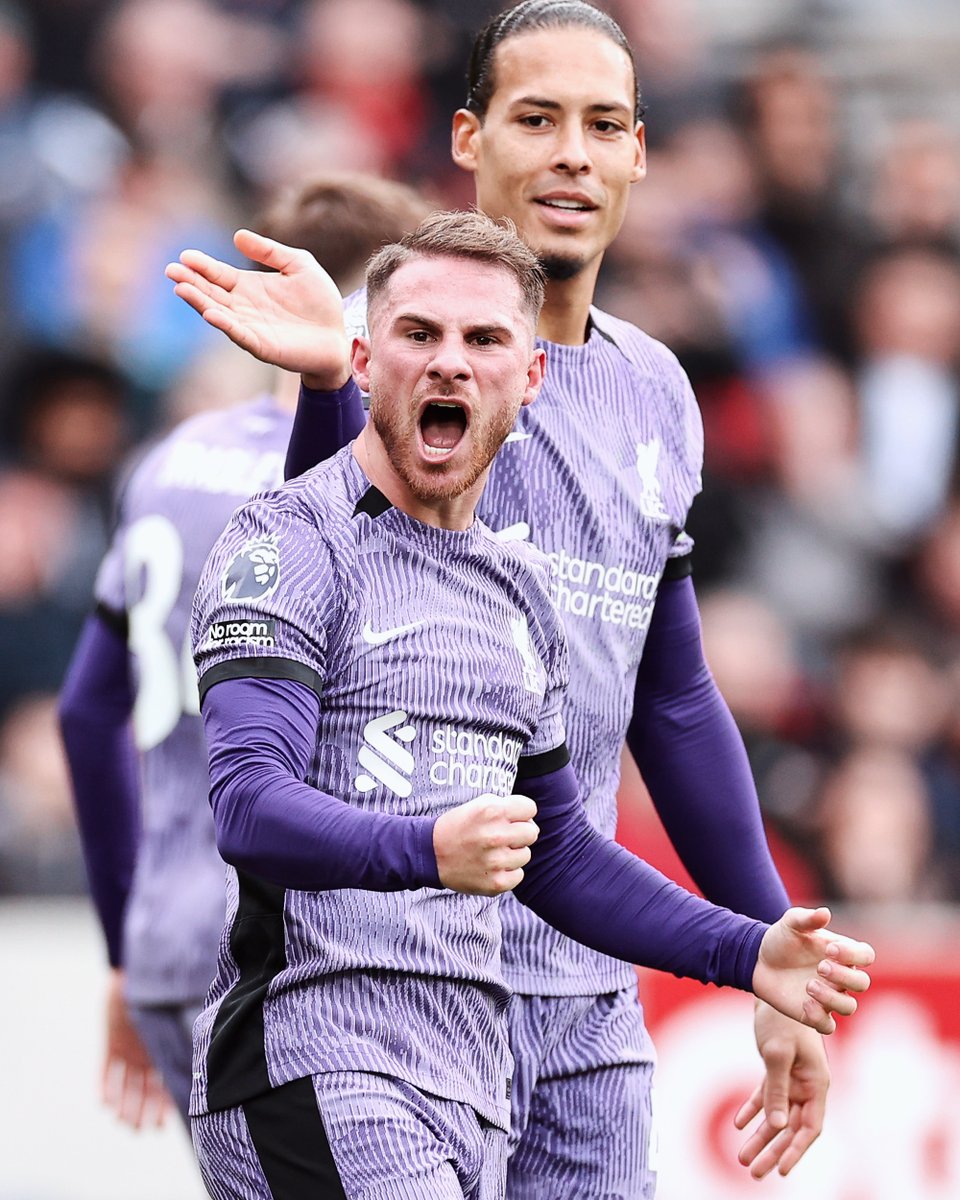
[(342, 218), (469, 235)]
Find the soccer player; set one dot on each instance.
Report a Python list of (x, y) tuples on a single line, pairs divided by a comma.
[(148, 837), (371, 658), (600, 474)]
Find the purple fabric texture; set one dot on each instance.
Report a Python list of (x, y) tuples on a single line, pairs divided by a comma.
[(693, 761), (598, 893), (261, 735), (325, 423), (95, 706)]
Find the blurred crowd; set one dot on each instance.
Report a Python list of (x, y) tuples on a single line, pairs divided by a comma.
[(796, 243)]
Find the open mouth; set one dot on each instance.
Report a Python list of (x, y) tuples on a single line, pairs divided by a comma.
[(442, 426)]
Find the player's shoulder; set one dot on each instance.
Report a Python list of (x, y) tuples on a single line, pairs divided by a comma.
[(646, 353), (322, 500)]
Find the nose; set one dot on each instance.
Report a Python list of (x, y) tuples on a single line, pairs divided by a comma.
[(571, 156), (449, 362)]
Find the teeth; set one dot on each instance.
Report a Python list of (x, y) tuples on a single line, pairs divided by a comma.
[(437, 451), (576, 205), (443, 404)]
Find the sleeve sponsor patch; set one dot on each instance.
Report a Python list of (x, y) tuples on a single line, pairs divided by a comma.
[(241, 633), (253, 574)]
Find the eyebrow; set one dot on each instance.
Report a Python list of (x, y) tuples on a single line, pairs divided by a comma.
[(489, 330), (608, 106)]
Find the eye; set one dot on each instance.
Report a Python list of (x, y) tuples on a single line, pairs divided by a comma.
[(484, 339), (607, 127), (535, 121), (420, 336)]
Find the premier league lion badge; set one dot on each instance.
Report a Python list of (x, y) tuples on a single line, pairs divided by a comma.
[(255, 572)]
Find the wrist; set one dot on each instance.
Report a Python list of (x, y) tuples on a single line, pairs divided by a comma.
[(333, 380)]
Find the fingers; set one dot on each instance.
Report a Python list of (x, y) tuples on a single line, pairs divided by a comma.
[(815, 1014), (215, 278), (847, 979), (514, 808), (266, 251), (850, 952), (749, 1109)]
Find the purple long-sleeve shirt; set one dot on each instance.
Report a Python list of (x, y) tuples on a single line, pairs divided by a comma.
[(359, 668), (600, 473)]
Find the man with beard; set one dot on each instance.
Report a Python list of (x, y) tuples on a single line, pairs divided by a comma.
[(371, 658)]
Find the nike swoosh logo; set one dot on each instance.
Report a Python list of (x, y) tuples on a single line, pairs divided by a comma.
[(517, 437), (513, 533), (377, 637)]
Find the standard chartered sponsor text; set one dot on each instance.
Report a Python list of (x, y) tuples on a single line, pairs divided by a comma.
[(614, 594), (463, 759)]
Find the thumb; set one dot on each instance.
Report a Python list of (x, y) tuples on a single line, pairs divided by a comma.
[(520, 808), (807, 920)]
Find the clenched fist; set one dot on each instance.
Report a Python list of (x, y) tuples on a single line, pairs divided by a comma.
[(482, 846)]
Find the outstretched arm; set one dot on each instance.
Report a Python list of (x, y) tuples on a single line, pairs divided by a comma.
[(598, 893), (692, 759), (290, 316)]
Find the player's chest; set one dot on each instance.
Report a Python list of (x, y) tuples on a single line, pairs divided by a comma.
[(441, 641)]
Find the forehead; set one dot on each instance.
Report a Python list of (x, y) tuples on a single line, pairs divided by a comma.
[(454, 291), (570, 64)]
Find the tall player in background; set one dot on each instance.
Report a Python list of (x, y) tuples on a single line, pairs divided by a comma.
[(599, 473), (129, 707)]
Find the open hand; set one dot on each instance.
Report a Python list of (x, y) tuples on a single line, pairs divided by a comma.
[(808, 972), (290, 316), (791, 1099), (131, 1085)]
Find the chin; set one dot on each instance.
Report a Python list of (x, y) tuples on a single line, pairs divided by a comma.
[(560, 267)]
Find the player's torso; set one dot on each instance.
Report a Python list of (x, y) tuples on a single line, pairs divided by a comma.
[(441, 648), (434, 685), (176, 505), (592, 476)]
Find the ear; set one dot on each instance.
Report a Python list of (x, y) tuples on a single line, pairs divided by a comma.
[(360, 363), (535, 373), (465, 138), (640, 165)]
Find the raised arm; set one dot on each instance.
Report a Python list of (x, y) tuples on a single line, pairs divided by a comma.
[(324, 423)]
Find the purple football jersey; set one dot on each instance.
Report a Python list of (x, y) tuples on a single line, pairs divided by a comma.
[(599, 472), (175, 504), (439, 661)]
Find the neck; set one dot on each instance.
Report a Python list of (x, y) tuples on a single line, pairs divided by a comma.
[(566, 308), (456, 512)]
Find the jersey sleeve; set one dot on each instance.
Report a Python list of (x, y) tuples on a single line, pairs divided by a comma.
[(267, 600), (546, 749), (689, 426)]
